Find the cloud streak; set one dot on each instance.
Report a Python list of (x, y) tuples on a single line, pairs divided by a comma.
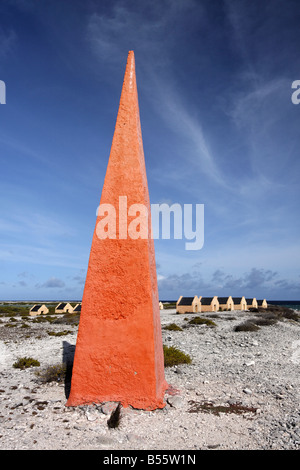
[(52, 283)]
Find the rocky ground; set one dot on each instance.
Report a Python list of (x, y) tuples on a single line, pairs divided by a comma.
[(241, 390)]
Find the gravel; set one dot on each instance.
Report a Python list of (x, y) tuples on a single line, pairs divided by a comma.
[(241, 391)]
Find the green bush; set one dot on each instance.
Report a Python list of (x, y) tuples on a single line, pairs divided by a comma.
[(173, 356), (60, 333), (25, 362), (172, 327), (202, 321)]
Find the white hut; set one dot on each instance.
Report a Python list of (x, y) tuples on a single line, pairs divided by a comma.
[(38, 309)]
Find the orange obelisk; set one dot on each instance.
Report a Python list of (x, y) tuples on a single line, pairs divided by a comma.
[(119, 354)]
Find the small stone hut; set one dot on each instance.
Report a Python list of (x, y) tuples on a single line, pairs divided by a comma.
[(161, 306), (262, 303), (187, 304), (77, 308), (38, 309), (239, 303), (226, 303), (251, 303), (64, 308), (209, 304)]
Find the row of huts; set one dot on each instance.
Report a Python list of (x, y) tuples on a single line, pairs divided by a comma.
[(214, 304), (62, 307)]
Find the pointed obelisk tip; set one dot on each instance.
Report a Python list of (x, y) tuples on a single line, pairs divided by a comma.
[(129, 77), (130, 57)]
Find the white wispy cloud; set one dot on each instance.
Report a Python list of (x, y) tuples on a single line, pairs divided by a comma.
[(8, 40), (145, 26), (198, 154)]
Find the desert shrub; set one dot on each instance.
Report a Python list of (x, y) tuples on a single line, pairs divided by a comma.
[(55, 373), (291, 315), (264, 321), (281, 312), (169, 305), (68, 319), (172, 327), (202, 321), (247, 326), (25, 362), (59, 333), (51, 309), (173, 356), (43, 319)]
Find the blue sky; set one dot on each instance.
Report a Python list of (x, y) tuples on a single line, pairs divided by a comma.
[(219, 128)]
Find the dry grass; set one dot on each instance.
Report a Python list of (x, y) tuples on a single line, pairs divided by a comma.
[(55, 373)]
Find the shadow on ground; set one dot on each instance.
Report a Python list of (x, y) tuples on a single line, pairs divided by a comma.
[(68, 358)]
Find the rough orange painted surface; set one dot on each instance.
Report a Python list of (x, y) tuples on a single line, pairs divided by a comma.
[(119, 354)]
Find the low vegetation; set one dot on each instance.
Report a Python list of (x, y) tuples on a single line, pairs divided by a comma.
[(169, 305), (267, 317), (55, 373), (12, 310), (25, 362), (202, 321), (59, 333), (43, 319), (280, 313), (67, 319), (264, 321), (172, 327), (173, 356), (247, 326)]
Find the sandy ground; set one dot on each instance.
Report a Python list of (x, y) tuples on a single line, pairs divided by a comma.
[(258, 371)]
